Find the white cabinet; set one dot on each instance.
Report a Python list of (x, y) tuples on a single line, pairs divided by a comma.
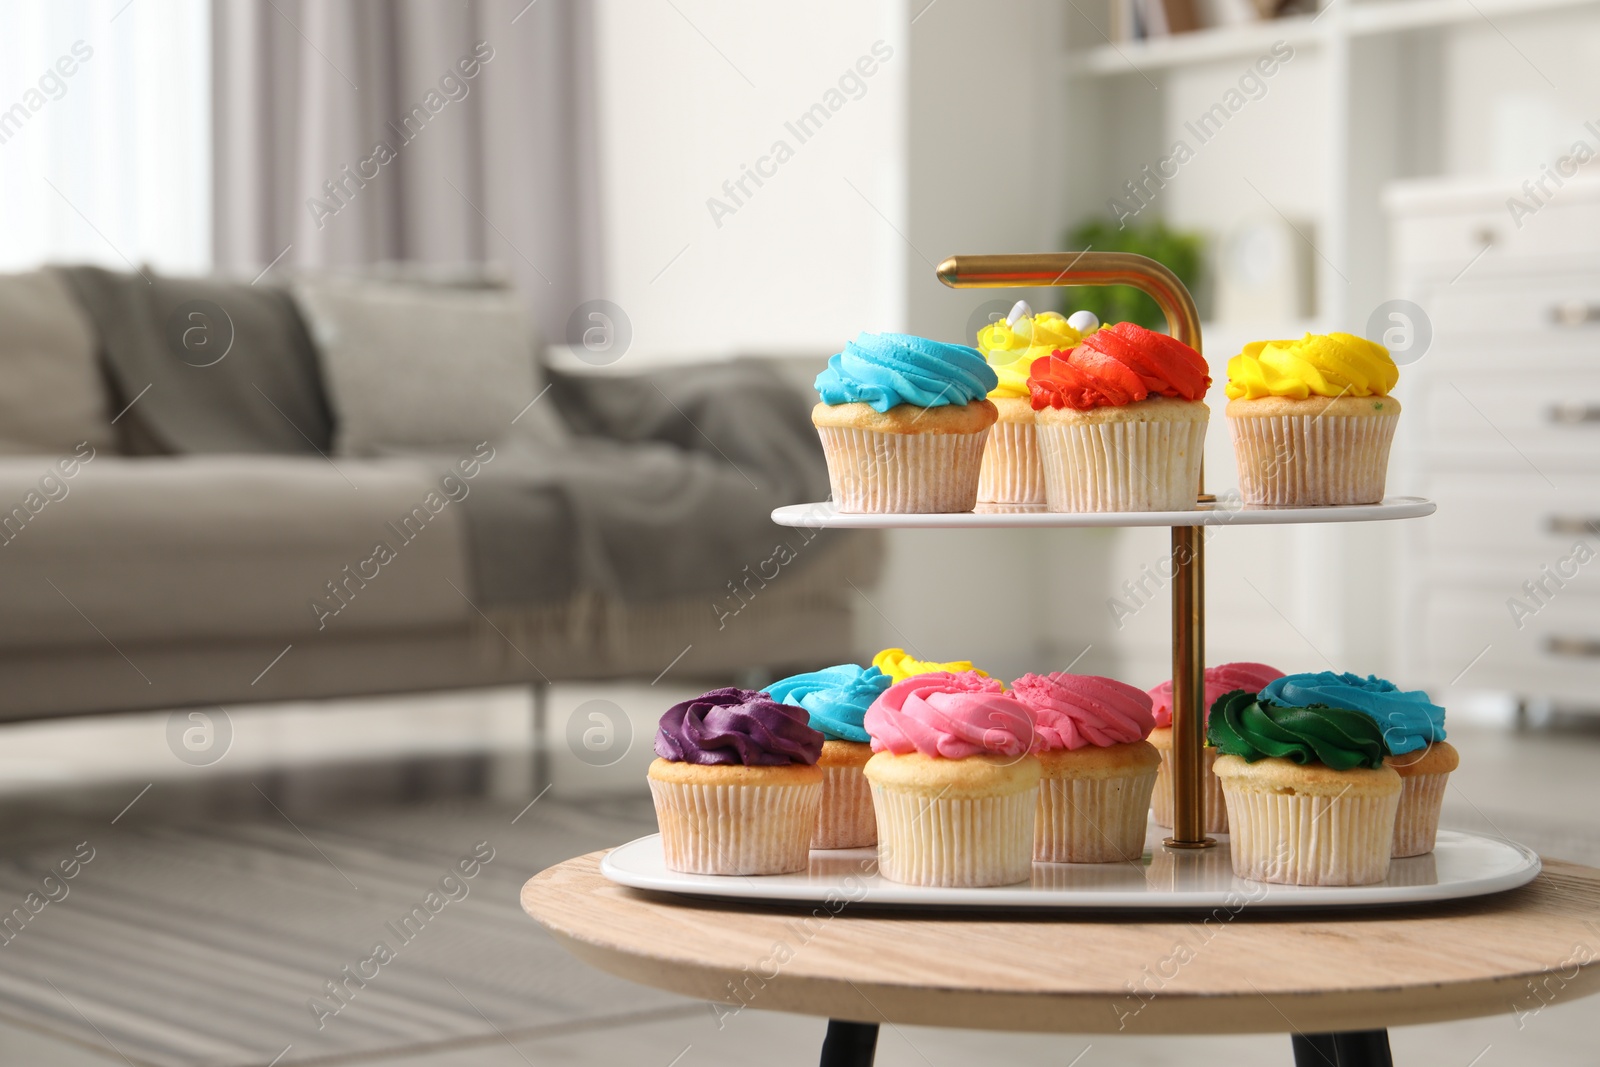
[(1501, 590)]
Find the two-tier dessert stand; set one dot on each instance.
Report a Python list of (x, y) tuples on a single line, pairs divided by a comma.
[(974, 971)]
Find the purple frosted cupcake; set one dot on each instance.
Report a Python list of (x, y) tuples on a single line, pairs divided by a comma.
[(737, 784)]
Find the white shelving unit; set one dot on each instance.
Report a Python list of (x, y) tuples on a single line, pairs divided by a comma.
[(1362, 103), (1377, 92), (1371, 19)]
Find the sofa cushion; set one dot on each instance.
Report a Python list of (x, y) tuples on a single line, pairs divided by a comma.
[(218, 548), (228, 365), (52, 395), (426, 367)]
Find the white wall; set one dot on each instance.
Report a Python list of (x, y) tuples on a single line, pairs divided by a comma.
[(693, 91)]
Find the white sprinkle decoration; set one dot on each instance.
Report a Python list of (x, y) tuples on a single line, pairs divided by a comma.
[(1083, 321), (1019, 310)]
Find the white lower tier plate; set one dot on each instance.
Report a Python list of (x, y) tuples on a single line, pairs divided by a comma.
[(1461, 865), (825, 515)]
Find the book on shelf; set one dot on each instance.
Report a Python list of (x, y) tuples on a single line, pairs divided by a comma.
[(1139, 20)]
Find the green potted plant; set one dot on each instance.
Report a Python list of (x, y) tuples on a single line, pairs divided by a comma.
[(1181, 252)]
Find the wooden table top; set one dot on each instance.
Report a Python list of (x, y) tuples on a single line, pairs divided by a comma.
[(1229, 973)]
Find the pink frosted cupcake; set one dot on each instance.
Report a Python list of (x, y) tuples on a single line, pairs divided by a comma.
[(1097, 768), (1252, 677), (953, 783)]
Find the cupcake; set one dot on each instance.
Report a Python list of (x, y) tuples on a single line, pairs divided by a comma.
[(1097, 768), (899, 665), (1413, 734), (737, 784), (1310, 800), (903, 421), (953, 784), (836, 699), (1312, 420), (1219, 680), (1121, 421), (1011, 471)]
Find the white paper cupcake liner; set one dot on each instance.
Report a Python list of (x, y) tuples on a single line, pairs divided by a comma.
[(845, 819), (736, 829), (878, 473), (1092, 820), (954, 842), (1122, 466), (1312, 460), (1298, 839), (1416, 824), (1011, 472), (1215, 808)]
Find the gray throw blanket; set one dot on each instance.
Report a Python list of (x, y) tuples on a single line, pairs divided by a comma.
[(665, 491)]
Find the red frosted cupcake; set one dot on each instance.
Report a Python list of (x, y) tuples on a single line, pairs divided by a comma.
[(1121, 421)]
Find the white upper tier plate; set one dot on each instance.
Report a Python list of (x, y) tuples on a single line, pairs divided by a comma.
[(1461, 865), (824, 514)]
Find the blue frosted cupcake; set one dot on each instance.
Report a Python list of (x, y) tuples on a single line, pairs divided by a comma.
[(1413, 735), (903, 422), (837, 699)]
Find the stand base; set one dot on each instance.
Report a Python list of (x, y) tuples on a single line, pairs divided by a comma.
[(856, 1045), (1204, 842)]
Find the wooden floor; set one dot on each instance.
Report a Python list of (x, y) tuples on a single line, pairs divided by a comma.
[(1535, 787)]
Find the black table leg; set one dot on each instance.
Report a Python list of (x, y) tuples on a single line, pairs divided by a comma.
[(1356, 1048), (849, 1044)]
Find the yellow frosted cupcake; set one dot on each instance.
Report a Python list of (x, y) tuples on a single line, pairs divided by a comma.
[(1310, 801), (1012, 473), (899, 665), (736, 785), (1312, 420), (903, 422), (953, 784)]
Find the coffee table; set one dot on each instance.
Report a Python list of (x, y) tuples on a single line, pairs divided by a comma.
[(1334, 981)]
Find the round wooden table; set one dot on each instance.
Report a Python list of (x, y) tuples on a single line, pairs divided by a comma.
[(1334, 980)]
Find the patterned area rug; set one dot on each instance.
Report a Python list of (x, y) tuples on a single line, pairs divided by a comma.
[(258, 941)]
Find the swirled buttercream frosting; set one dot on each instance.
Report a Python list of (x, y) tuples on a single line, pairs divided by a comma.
[(1224, 678), (885, 370), (836, 698), (1408, 720), (737, 726), (951, 716), (1254, 729), (1331, 365), (1118, 365), (899, 665), (1079, 710)]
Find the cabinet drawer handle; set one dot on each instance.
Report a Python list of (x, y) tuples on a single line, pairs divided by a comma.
[(1575, 414), (1575, 313), (1573, 647), (1574, 525)]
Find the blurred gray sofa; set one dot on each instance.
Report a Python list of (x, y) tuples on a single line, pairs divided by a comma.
[(212, 492)]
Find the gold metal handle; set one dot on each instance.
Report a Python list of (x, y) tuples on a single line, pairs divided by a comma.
[(1056, 269)]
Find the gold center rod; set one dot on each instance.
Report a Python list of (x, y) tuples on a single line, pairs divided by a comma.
[(1054, 269)]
